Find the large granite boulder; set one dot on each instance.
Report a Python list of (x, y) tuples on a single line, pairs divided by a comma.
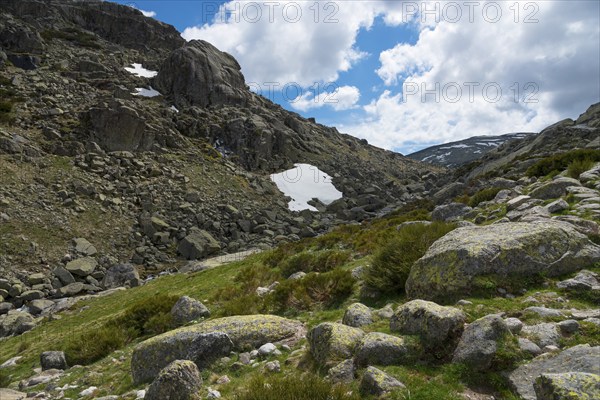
[(209, 340), (82, 266), (331, 342), (357, 315), (15, 323), (198, 74), (568, 386), (438, 327), (378, 348), (479, 342), (198, 244), (376, 382), (151, 356), (179, 380), (581, 358), (121, 275), (453, 263), (555, 189), (187, 309)]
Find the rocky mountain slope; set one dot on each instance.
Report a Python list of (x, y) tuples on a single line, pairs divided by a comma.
[(455, 154), (84, 156), (479, 282)]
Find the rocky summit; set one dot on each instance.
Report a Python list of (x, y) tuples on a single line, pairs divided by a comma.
[(147, 252)]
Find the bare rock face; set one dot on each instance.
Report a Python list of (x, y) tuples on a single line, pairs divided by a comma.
[(198, 74)]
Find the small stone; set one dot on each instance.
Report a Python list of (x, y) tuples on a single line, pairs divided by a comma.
[(266, 349), (273, 366), (514, 325), (568, 326), (378, 383)]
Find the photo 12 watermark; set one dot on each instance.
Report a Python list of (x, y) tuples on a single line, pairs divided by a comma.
[(328, 12)]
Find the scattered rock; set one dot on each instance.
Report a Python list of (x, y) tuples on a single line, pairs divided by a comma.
[(584, 281), (439, 327), (16, 323), (568, 326), (82, 266), (53, 360), (555, 189), (569, 386), (187, 309), (378, 348), (180, 380), (376, 382), (514, 325), (82, 246), (121, 275), (198, 244), (357, 315), (342, 372), (450, 212), (273, 366), (581, 358), (479, 342), (544, 334), (330, 342), (528, 346)]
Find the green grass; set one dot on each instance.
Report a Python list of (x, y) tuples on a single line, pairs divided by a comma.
[(293, 387), (392, 263)]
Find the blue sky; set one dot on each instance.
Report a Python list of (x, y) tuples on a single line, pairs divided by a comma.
[(408, 74)]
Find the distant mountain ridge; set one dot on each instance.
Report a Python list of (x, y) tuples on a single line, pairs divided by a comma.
[(462, 152)]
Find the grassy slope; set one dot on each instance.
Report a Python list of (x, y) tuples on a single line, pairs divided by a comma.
[(218, 288)]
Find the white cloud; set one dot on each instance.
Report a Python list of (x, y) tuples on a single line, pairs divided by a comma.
[(559, 55), (150, 14), (340, 99), (300, 42)]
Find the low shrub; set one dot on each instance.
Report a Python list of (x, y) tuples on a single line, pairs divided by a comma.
[(577, 167), (483, 195), (314, 261), (314, 291), (392, 263), (147, 318), (560, 162), (297, 387)]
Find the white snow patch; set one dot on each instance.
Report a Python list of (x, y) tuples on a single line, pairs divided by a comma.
[(488, 144), (456, 146), (138, 70), (173, 108), (146, 92), (303, 183)]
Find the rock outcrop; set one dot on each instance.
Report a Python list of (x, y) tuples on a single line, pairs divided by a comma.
[(511, 250)]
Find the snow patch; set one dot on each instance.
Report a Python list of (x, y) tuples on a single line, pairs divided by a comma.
[(146, 92), (138, 70), (173, 108), (456, 146), (303, 183)]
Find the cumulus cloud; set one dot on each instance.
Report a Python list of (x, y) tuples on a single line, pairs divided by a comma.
[(291, 41), (547, 71), (340, 99), (544, 52)]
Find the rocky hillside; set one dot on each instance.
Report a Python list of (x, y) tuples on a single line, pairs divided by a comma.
[(162, 161), (455, 154)]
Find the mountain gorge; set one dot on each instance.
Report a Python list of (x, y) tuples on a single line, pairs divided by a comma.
[(147, 251)]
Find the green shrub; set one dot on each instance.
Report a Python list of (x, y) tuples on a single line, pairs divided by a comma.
[(560, 162), (483, 195), (577, 167), (314, 291), (147, 318), (294, 387), (392, 263), (314, 261), (4, 379)]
